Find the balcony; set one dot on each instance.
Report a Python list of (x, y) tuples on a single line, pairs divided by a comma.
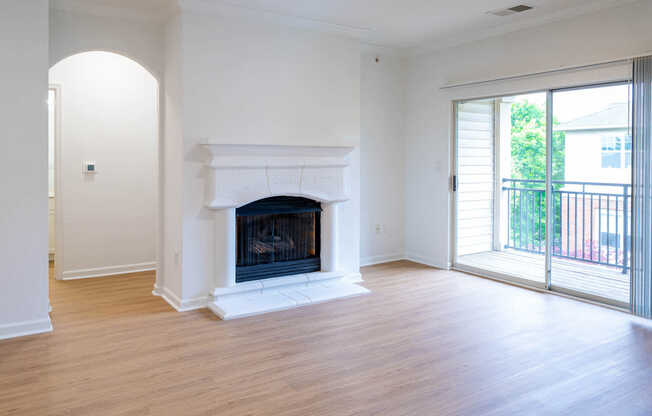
[(590, 244)]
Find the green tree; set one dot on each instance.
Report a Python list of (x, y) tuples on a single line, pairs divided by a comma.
[(529, 143), (528, 151)]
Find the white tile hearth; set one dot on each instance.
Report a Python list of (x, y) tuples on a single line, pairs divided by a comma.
[(282, 293)]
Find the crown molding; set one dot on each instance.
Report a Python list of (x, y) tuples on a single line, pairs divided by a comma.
[(227, 9), (382, 50), (362, 35), (83, 7), (438, 43)]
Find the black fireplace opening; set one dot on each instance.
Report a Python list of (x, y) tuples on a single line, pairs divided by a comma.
[(277, 236)]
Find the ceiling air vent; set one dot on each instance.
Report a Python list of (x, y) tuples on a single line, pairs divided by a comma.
[(520, 8), (511, 10)]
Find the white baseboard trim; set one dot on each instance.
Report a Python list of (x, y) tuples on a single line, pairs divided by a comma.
[(353, 278), (180, 305), (21, 329), (108, 271), (415, 258), (380, 259), (426, 262)]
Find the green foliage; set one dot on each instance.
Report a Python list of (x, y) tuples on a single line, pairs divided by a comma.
[(529, 143)]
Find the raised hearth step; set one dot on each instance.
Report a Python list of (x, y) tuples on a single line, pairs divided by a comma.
[(240, 305)]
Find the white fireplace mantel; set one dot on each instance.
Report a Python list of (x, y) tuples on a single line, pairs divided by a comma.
[(241, 174)]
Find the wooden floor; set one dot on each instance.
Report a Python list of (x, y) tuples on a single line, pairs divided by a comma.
[(599, 281), (425, 342)]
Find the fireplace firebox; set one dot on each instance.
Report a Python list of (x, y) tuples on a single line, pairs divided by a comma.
[(277, 236)]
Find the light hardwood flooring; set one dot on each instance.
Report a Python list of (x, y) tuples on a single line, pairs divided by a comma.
[(425, 342)]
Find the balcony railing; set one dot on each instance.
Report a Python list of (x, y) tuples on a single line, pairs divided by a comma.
[(590, 223)]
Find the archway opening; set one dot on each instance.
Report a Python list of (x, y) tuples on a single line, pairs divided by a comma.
[(103, 167)]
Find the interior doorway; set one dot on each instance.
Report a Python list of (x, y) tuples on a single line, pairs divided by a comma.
[(53, 126), (103, 166)]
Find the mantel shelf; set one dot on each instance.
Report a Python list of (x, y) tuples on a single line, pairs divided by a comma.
[(270, 150), (243, 173)]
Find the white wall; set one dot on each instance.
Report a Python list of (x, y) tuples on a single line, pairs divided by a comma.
[(609, 34), (72, 32), (108, 108), (382, 169), (23, 168), (172, 163), (260, 83), (263, 83)]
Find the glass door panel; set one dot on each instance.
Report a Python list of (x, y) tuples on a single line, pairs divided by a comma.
[(591, 182), (500, 196)]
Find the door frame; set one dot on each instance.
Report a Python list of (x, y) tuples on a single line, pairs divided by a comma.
[(58, 206)]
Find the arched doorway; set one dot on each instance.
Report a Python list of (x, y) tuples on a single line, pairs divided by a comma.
[(104, 166)]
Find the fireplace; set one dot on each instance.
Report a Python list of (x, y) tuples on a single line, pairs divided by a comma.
[(281, 252), (278, 236)]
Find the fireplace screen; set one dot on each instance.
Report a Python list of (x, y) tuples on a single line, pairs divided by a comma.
[(277, 236)]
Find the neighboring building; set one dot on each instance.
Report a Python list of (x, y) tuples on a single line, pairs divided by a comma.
[(599, 146), (598, 149)]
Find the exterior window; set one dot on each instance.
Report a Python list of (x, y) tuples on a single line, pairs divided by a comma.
[(616, 152), (628, 151), (612, 152)]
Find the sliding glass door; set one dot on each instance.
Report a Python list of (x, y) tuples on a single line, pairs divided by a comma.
[(592, 171), (509, 151), (500, 187)]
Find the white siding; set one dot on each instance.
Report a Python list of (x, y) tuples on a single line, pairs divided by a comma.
[(475, 176), (584, 158)]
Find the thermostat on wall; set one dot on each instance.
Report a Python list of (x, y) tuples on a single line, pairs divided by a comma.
[(89, 166)]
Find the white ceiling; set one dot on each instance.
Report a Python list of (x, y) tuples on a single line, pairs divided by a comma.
[(395, 23)]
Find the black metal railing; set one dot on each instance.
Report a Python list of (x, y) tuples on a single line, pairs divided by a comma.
[(590, 223)]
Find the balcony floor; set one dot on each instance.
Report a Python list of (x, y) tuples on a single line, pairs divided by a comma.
[(595, 280)]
